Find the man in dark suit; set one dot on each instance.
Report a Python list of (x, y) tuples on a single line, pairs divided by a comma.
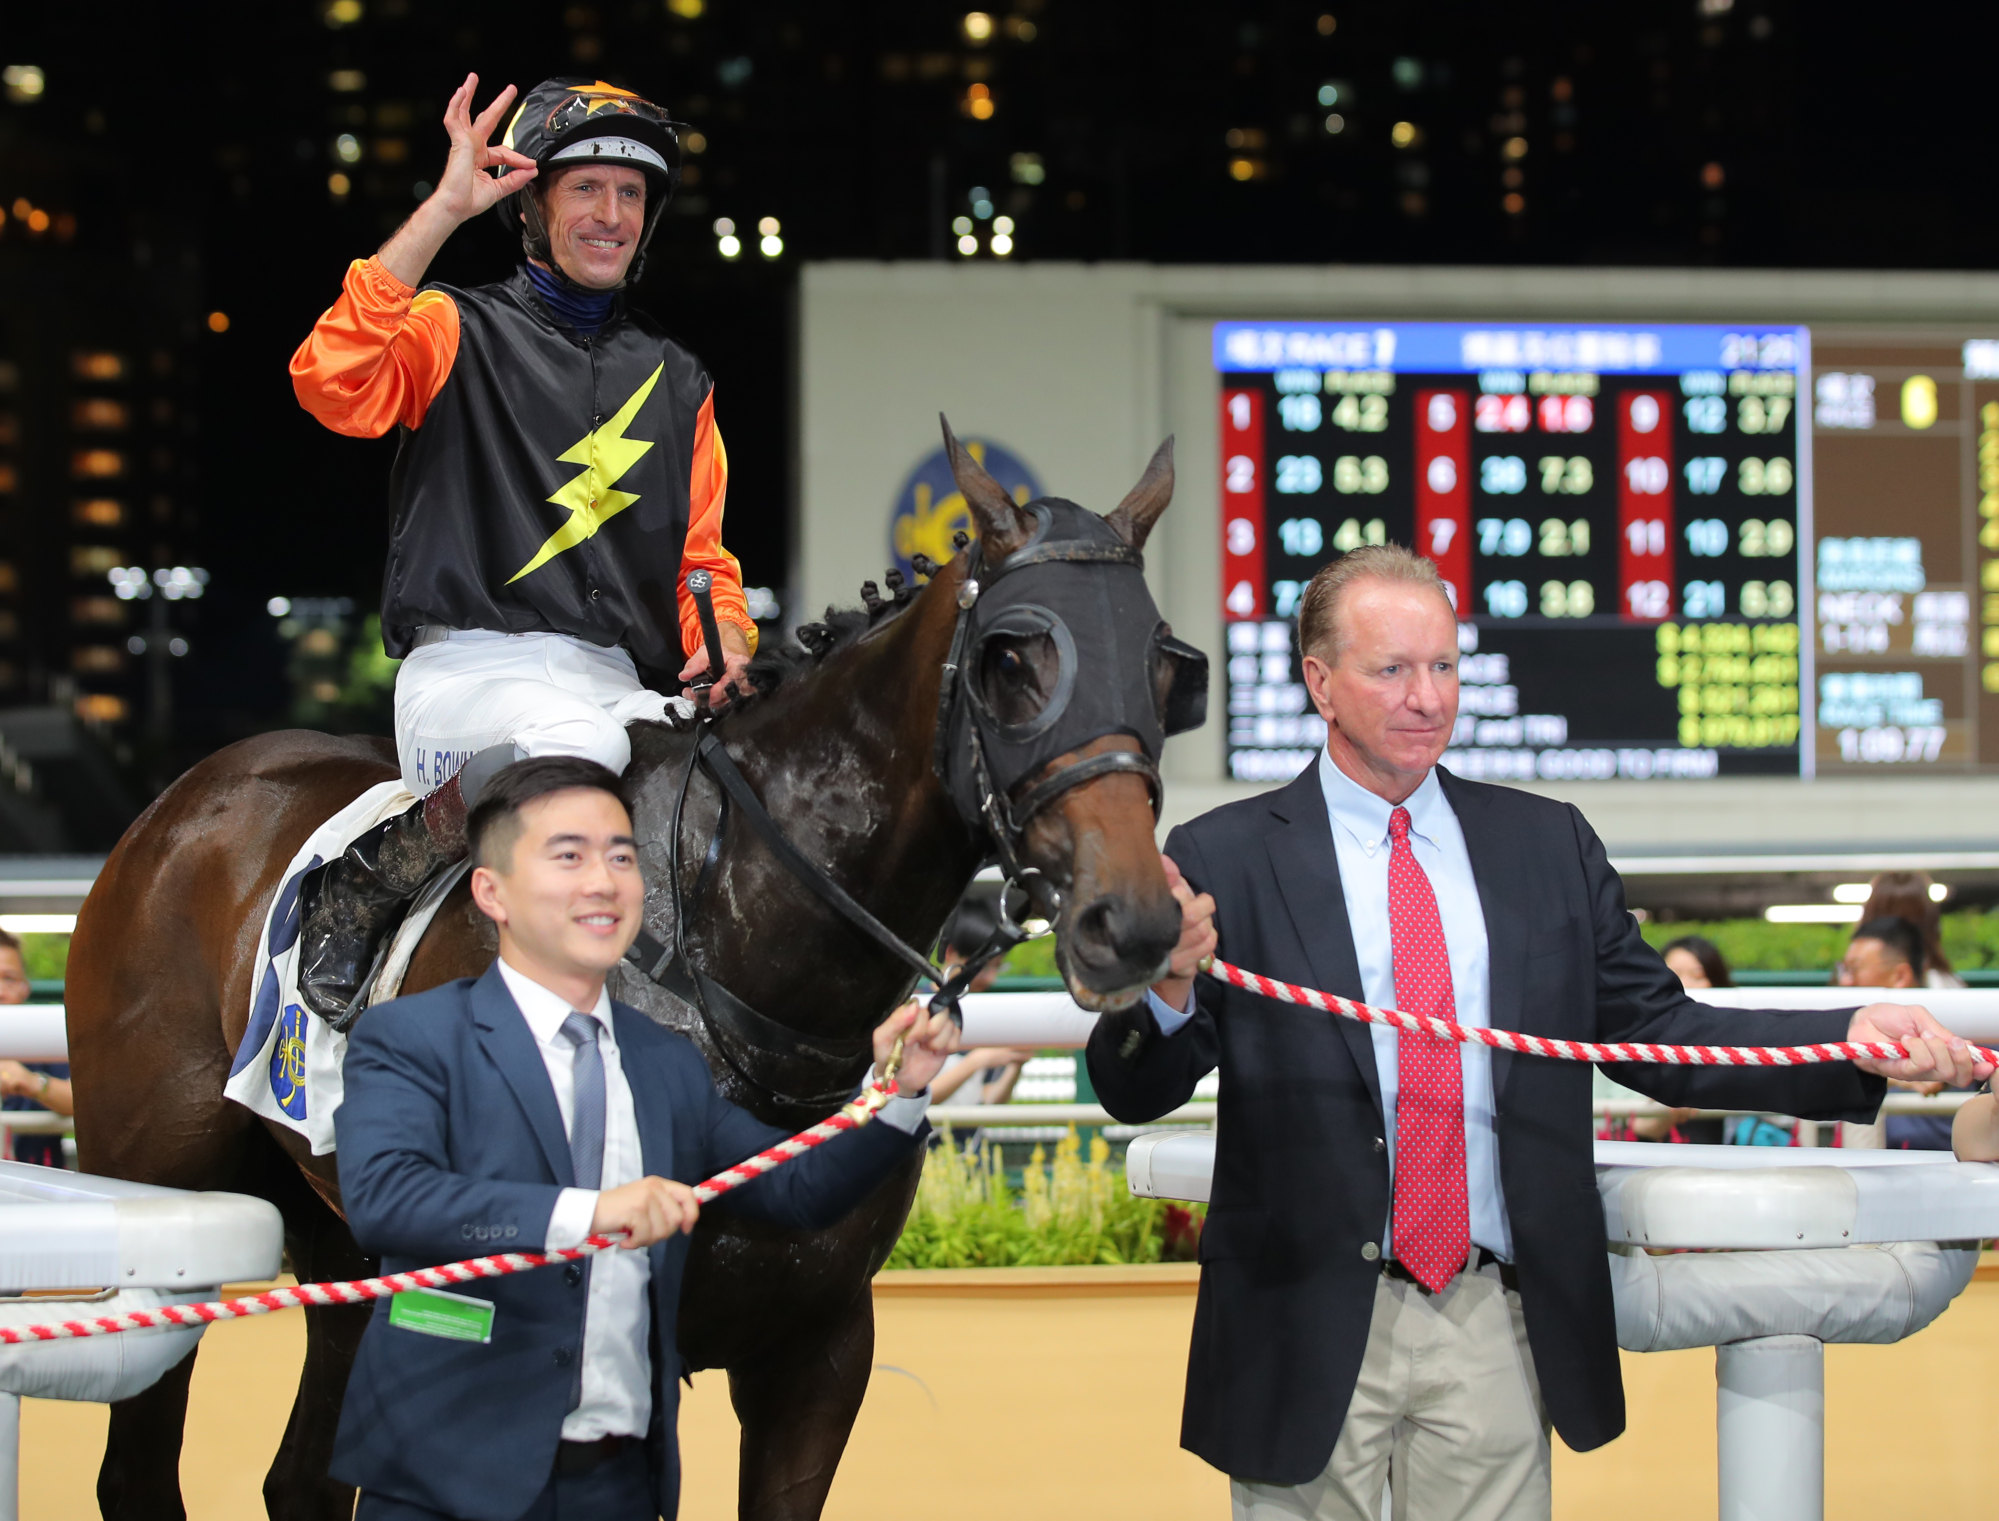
[(525, 1111), (1403, 1262)]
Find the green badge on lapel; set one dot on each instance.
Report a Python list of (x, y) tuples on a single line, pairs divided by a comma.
[(435, 1312)]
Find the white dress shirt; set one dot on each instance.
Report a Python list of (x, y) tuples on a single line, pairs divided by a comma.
[(1362, 848), (617, 1375)]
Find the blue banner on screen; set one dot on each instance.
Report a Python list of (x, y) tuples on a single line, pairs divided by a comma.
[(1459, 348)]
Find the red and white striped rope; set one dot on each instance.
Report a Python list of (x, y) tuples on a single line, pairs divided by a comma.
[(1563, 1050), (361, 1290)]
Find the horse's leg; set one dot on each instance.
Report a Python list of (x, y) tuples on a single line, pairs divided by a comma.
[(139, 1479), (797, 1406), (322, 1249)]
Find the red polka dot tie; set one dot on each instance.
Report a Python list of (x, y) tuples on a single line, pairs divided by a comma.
[(1432, 1237)]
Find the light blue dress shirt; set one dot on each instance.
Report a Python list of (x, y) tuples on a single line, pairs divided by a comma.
[(1361, 846)]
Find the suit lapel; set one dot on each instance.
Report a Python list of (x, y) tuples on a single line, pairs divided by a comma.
[(1308, 878), (511, 1045), (638, 1053), (1502, 897)]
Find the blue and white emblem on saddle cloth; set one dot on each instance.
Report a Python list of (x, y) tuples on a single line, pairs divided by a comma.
[(288, 1067)]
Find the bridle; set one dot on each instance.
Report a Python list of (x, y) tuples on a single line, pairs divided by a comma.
[(966, 729)]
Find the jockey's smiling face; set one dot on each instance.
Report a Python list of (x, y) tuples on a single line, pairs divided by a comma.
[(595, 214)]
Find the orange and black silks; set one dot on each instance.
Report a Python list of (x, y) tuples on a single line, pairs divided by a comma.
[(546, 483)]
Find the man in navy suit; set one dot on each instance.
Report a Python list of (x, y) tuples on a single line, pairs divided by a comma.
[(524, 1111), (1403, 1262)]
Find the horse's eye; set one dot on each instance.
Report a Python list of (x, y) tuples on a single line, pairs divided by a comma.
[(1011, 665)]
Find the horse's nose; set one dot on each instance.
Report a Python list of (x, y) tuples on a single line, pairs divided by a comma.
[(1117, 939)]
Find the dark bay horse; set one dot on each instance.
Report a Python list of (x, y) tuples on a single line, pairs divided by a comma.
[(840, 749)]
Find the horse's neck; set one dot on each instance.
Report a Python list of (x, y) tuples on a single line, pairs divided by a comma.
[(843, 762)]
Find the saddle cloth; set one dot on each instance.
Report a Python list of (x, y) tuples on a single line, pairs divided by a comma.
[(288, 1067)]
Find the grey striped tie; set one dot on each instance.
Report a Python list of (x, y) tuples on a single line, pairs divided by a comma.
[(586, 1117)]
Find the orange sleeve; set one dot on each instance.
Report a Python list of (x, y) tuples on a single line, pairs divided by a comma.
[(707, 488), (378, 356)]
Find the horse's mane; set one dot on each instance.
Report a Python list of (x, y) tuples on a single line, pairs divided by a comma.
[(811, 643)]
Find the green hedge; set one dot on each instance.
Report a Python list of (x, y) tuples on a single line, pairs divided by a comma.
[(1070, 1212), (1970, 939)]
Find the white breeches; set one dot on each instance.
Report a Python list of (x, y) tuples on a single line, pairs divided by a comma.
[(550, 694)]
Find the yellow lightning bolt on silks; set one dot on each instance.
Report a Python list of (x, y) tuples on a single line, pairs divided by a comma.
[(605, 454)]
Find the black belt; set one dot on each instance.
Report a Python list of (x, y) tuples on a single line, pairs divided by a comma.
[(573, 1458), (1509, 1277)]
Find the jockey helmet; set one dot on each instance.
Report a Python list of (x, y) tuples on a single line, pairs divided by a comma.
[(563, 122)]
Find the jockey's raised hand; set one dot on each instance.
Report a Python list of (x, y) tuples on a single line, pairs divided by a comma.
[(465, 188)]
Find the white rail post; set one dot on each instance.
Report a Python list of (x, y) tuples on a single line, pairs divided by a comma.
[(10, 1457), (1770, 1428)]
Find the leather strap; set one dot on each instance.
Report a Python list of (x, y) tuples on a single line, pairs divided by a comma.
[(714, 756)]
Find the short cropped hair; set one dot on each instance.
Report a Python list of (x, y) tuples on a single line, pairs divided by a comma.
[(1319, 630), (9, 941), (1903, 940), (493, 827)]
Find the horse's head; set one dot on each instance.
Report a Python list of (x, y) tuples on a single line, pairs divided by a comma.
[(1061, 687)]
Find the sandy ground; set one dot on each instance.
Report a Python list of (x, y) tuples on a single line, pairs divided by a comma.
[(998, 1408)]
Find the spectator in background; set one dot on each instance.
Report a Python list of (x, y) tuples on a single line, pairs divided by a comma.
[(1888, 952), (1907, 895), (1698, 963), (40, 1085), (984, 1074)]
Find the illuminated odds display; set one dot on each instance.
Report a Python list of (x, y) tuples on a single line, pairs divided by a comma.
[(1621, 514), (1676, 550)]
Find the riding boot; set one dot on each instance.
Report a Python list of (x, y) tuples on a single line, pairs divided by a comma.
[(349, 906)]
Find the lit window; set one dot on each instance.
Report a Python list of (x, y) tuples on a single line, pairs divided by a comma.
[(103, 707), (695, 142), (1514, 204), (1027, 169), (96, 660), (38, 221), (25, 82), (1515, 147), (338, 184), (346, 81), (978, 27), (218, 322), (100, 512), (340, 13), (96, 610), (97, 365), (94, 560), (96, 464), (687, 10), (10, 480), (1405, 134)]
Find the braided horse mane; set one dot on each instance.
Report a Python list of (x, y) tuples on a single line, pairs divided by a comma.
[(841, 626)]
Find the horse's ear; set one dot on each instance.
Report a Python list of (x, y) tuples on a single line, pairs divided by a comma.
[(1134, 516), (1003, 527)]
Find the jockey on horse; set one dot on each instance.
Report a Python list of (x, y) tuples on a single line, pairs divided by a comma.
[(559, 475)]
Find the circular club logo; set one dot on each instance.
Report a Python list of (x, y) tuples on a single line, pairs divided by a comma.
[(930, 511)]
